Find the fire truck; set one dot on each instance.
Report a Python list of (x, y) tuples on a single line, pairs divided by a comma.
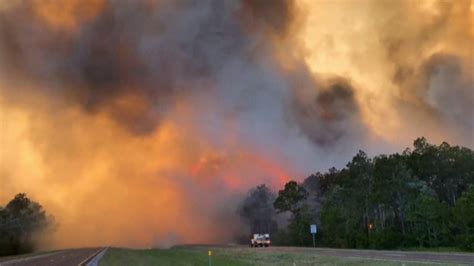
[(260, 240)]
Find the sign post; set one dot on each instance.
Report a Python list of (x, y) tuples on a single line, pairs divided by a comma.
[(314, 230), (209, 254)]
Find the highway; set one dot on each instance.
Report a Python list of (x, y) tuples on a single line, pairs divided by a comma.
[(80, 257)]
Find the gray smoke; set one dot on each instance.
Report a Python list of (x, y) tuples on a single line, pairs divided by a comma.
[(442, 93), (196, 50)]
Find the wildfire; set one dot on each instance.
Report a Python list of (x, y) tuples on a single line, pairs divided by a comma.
[(143, 123)]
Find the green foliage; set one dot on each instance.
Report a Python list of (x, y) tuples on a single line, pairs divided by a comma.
[(298, 227), (422, 198), (448, 169), (297, 231), (428, 219), (334, 222), (289, 198), (402, 200), (464, 220), (20, 220), (386, 238)]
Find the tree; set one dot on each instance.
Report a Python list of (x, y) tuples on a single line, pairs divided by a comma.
[(464, 220), (394, 189), (448, 170), (20, 220), (299, 225), (429, 221), (399, 200), (337, 222), (292, 198), (289, 199)]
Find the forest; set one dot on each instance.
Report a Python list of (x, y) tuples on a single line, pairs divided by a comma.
[(421, 198)]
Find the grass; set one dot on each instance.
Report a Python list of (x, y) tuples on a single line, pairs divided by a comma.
[(437, 249), (230, 257), (172, 256)]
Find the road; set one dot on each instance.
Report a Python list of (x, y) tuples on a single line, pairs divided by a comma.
[(60, 258)]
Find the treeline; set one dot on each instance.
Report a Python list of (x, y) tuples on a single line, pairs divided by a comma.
[(420, 198), (21, 223)]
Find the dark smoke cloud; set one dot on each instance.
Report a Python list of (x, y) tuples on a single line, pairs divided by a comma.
[(257, 212), (449, 90), (160, 55), (127, 49), (439, 93), (327, 112), (275, 17)]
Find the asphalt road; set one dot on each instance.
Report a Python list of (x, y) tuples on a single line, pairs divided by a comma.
[(59, 258)]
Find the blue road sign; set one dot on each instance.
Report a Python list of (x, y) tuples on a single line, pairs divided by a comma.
[(314, 229)]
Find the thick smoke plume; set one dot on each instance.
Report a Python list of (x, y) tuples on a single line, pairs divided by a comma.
[(143, 122)]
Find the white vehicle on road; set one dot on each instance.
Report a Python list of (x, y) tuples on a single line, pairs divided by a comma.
[(260, 240)]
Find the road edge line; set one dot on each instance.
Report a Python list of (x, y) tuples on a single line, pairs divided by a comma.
[(84, 262)]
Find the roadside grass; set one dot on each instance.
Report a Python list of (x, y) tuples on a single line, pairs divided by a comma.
[(174, 256), (437, 249), (231, 256)]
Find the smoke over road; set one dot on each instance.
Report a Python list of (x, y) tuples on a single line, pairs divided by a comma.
[(142, 122)]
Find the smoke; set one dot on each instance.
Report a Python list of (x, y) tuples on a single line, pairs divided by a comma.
[(257, 214), (143, 123), (384, 48), (329, 114), (443, 92)]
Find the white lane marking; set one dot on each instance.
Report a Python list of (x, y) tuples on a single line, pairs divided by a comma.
[(82, 263), (95, 261)]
